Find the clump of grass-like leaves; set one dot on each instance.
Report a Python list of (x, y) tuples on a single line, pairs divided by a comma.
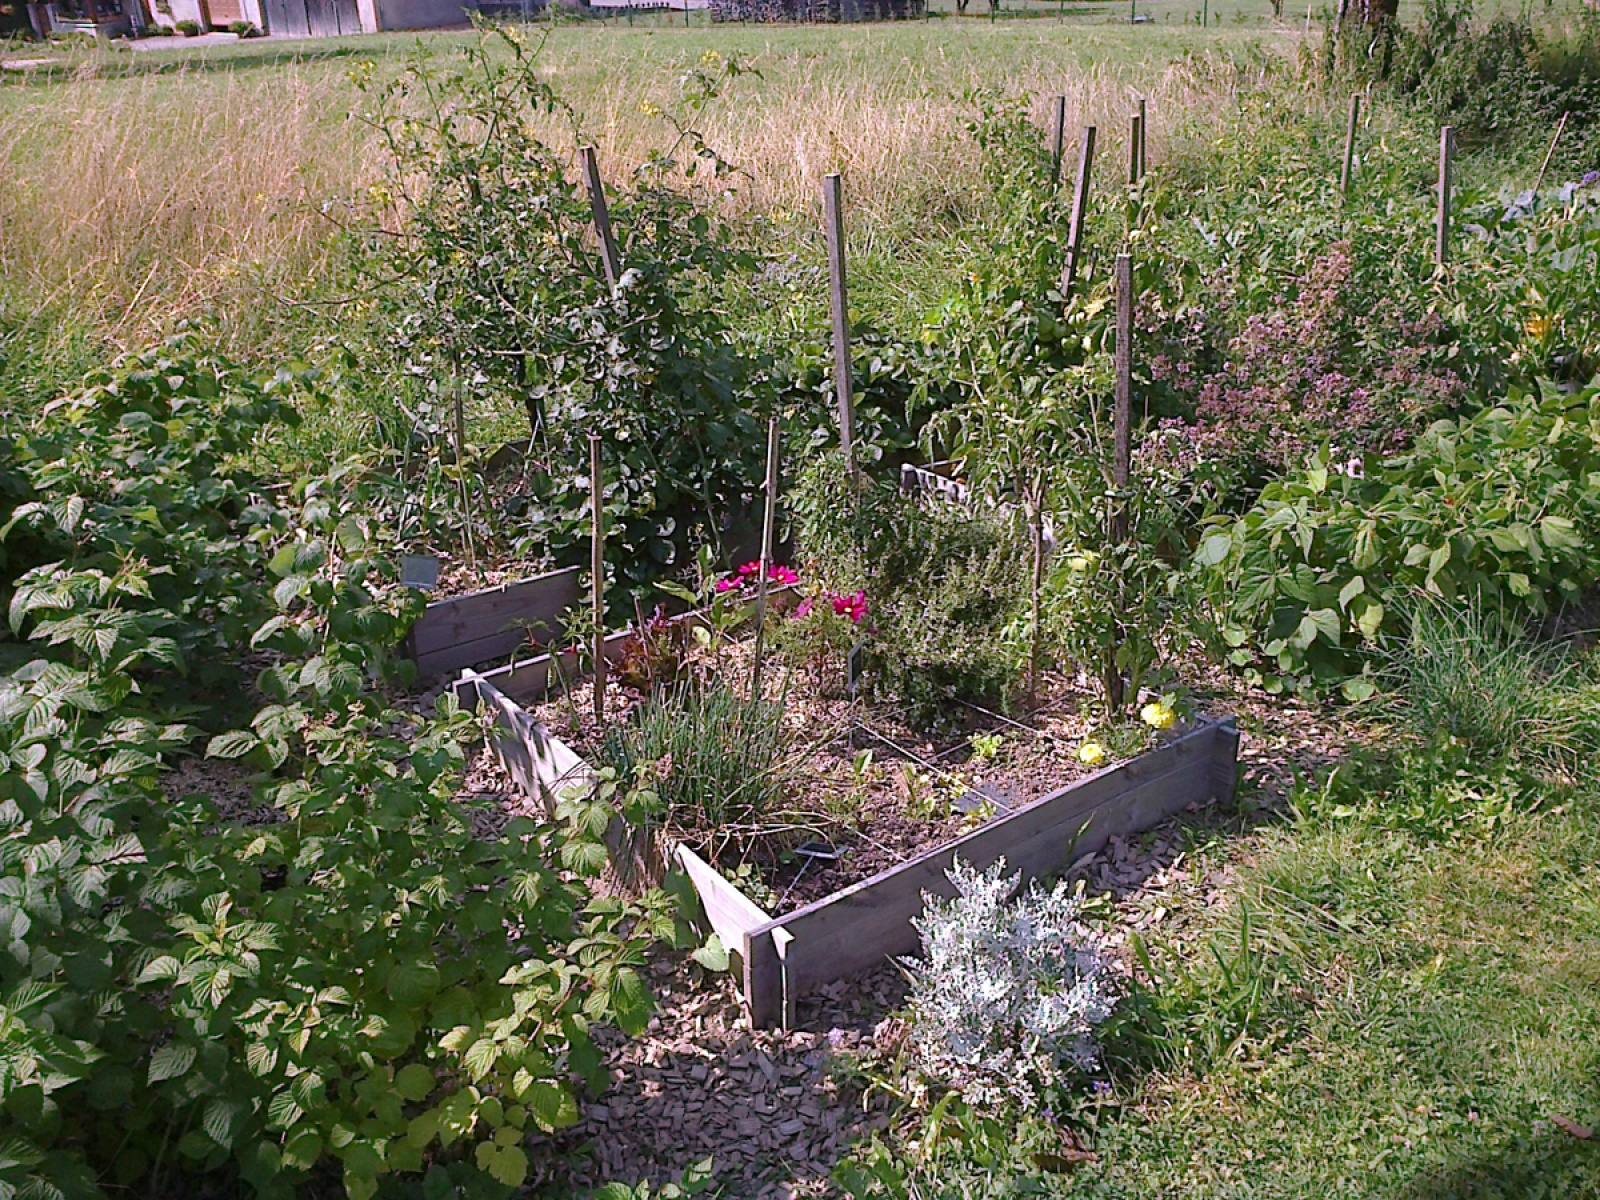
[(724, 765), (1470, 676)]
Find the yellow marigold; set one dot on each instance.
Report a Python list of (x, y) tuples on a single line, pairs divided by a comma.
[(1158, 715), (1092, 753)]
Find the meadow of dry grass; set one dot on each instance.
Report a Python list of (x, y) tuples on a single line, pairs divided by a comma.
[(136, 191)]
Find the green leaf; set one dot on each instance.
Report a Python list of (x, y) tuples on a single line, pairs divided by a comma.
[(234, 744), (508, 1164), (1358, 688), (414, 1082), (171, 1061), (1370, 621), (412, 984), (1351, 590), (713, 956), (1559, 533), (303, 1149), (552, 1105), (1214, 550)]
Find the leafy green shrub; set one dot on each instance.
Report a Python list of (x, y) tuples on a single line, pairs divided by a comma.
[(359, 981), (500, 291), (188, 28), (1502, 510), (946, 590), (721, 765), (244, 29)]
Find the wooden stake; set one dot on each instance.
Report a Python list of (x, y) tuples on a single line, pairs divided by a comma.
[(1057, 141), (602, 215), (767, 522), (1348, 170), (1447, 145), (1135, 134), (597, 568), (1551, 153), (1080, 210), (1036, 649), (461, 475), (843, 383), (1121, 453), (1144, 134)]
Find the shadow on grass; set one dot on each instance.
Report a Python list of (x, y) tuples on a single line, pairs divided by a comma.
[(1558, 1168)]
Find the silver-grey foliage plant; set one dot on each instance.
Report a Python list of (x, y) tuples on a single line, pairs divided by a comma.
[(1009, 991)]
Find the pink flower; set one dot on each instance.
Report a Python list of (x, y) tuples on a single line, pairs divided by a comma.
[(853, 606), (726, 585), (782, 575), (804, 610), (751, 568)]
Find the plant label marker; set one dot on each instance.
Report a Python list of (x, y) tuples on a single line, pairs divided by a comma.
[(1080, 210), (1348, 171), (1122, 446), (602, 214), (419, 571), (1447, 146), (1058, 134), (597, 567), (843, 384), (767, 521)]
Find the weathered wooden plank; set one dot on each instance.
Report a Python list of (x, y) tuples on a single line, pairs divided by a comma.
[(465, 630), (860, 926), (733, 915), (530, 680)]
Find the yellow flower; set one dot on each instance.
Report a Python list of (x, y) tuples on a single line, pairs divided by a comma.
[(1078, 562), (1158, 715), (649, 108), (1537, 326), (1092, 753)]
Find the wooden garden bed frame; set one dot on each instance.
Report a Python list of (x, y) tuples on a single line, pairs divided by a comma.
[(494, 623), (788, 957)]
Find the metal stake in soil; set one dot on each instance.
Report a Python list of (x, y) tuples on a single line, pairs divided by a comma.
[(597, 567), (843, 384), (602, 216), (767, 521), (1144, 134), (1135, 137)]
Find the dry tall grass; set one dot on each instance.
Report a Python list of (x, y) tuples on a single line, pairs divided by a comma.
[(140, 201)]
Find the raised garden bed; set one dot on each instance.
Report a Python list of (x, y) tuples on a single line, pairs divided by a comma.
[(492, 624), (790, 955)]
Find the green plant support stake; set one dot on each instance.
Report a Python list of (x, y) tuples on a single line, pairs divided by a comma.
[(767, 522), (597, 566)]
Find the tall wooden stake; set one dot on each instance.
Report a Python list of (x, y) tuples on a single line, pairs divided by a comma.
[(1122, 449), (1348, 171), (1080, 211), (843, 384), (461, 474), (1058, 136), (1144, 134), (1551, 153), (1035, 650), (602, 215), (1447, 146), (1135, 136), (597, 568), (767, 521)]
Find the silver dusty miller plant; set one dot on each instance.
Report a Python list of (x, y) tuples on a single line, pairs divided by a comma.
[(1008, 992)]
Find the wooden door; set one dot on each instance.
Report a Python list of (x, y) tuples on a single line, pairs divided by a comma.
[(223, 13), (286, 18), (329, 18)]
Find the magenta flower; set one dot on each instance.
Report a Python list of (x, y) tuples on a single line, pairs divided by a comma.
[(726, 585), (751, 568), (782, 575), (804, 609), (853, 606)]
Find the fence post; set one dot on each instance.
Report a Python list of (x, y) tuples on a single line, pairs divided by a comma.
[(1122, 444), (1447, 146), (602, 216), (1348, 170), (597, 566), (767, 522), (1080, 210), (843, 383), (1057, 139), (1135, 133)]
